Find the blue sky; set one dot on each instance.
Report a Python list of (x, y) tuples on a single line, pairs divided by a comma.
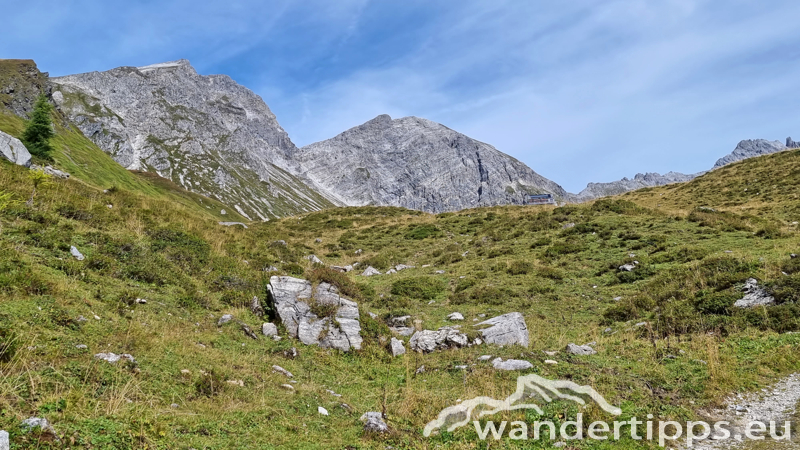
[(580, 91)]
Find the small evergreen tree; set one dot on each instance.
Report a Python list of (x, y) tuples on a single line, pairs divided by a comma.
[(39, 130)]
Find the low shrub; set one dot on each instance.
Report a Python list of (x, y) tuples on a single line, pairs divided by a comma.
[(424, 288)]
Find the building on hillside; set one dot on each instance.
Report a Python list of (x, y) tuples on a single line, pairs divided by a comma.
[(540, 199)]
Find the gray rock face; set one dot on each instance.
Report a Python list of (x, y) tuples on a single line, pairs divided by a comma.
[(14, 150), (508, 329), (754, 296), (792, 144), (370, 271), (205, 133), (426, 341), (113, 358), (76, 253), (511, 364), (418, 164), (22, 84), (5, 444), (597, 190), (750, 148), (291, 298), (38, 422)]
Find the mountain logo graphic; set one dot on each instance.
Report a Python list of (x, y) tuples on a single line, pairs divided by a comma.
[(528, 387)]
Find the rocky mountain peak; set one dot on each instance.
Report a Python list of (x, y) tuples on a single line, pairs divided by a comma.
[(418, 164), (205, 133)]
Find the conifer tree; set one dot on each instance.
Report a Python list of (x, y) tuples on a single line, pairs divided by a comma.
[(39, 130)]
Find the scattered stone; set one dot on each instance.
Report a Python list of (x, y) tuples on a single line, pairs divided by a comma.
[(280, 242), (373, 422), (333, 393), (288, 387), (38, 422), (113, 358), (420, 369), (508, 329), (14, 150), (343, 269), (81, 346), (550, 361), (269, 329), (627, 267), (248, 331), (276, 338), (640, 324), (256, 308), (370, 271), (322, 410), (223, 212), (314, 259), (290, 297), (485, 358), (511, 364), (282, 371), (224, 319), (5, 443), (793, 256), (140, 301), (550, 353), (185, 372), (77, 254), (583, 350), (174, 406), (568, 225), (358, 252), (318, 240), (616, 299), (455, 316), (439, 272), (402, 331), (230, 224), (390, 271), (398, 348), (291, 353), (50, 170), (424, 266), (608, 330), (754, 296), (270, 269), (461, 367), (239, 383), (81, 319), (426, 341), (399, 321)]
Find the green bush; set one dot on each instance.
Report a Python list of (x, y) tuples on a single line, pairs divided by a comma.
[(519, 267), (424, 288), (422, 231), (209, 384), (719, 303)]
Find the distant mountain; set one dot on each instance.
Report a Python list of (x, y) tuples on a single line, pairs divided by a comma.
[(207, 134), (755, 147), (597, 190), (418, 164)]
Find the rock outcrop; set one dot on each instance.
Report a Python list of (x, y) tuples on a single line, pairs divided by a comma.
[(205, 133), (426, 341), (20, 85), (292, 299), (14, 150), (508, 329), (754, 295), (418, 164)]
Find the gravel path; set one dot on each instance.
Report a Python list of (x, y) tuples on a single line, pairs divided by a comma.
[(778, 403)]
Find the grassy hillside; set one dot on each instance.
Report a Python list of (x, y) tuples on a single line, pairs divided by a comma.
[(558, 266), (81, 158)]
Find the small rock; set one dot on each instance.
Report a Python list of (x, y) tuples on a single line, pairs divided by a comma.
[(78, 255), (754, 296), (81, 346), (568, 225), (398, 348), (81, 319), (399, 321), (358, 252), (256, 308), (322, 410), (373, 423), (5, 444), (333, 393), (224, 319), (37, 422), (608, 330), (460, 367), (113, 357), (318, 240), (288, 387), (583, 350), (239, 383), (174, 406), (511, 364), (390, 271), (793, 256), (550, 361), (485, 358), (276, 338), (282, 371), (400, 267), (640, 324), (616, 299), (550, 353), (140, 301), (269, 329), (185, 372), (455, 316), (314, 259), (370, 271), (402, 331), (627, 267), (438, 272), (223, 212), (248, 332), (420, 369)]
